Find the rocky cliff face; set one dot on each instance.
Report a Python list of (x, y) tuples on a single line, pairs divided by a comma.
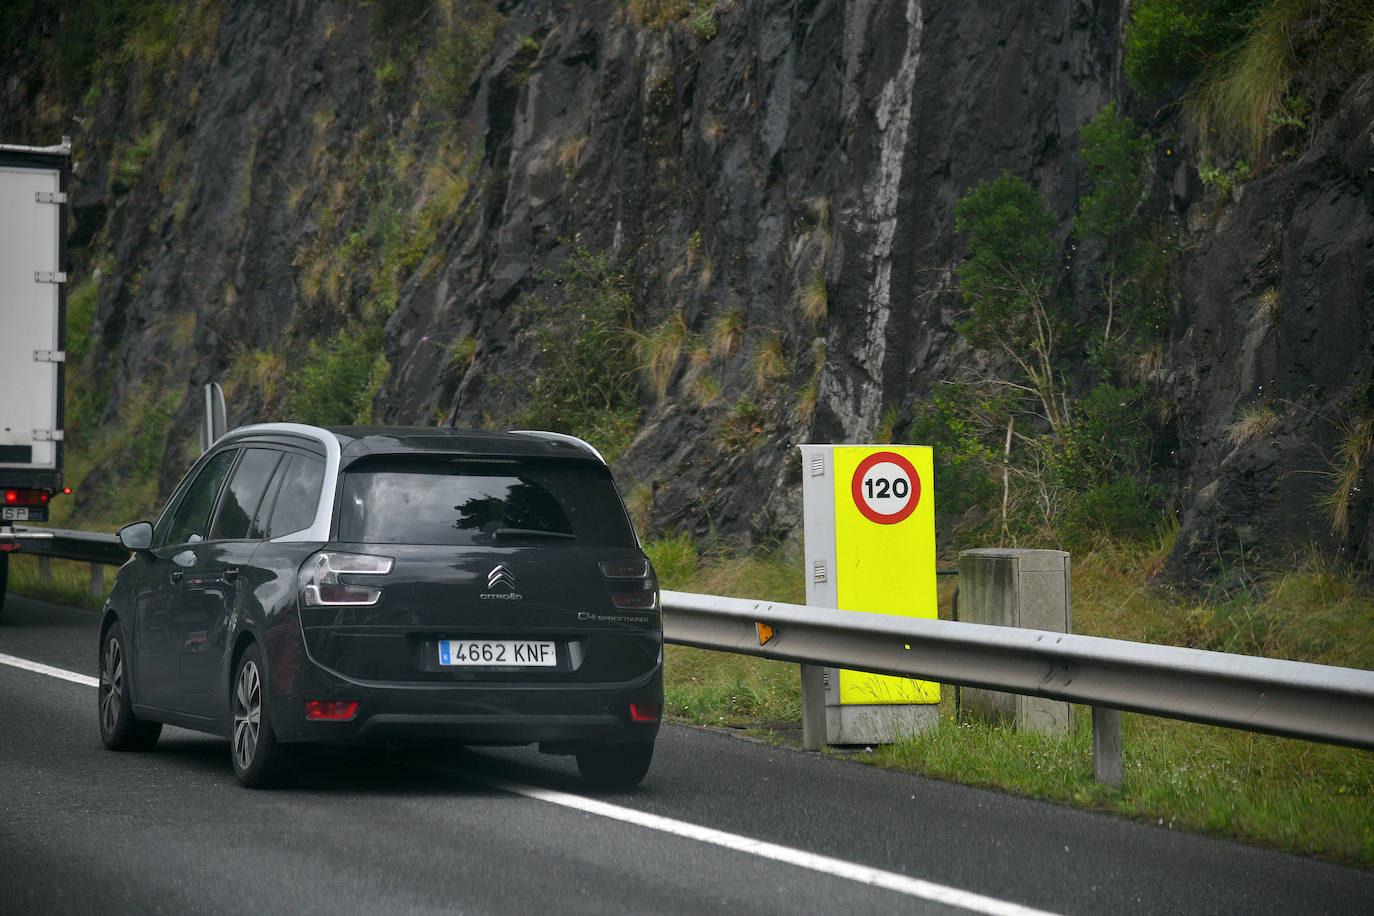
[(781, 191), (1276, 324), (804, 144)]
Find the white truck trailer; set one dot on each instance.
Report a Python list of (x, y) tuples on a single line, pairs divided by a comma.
[(33, 300)]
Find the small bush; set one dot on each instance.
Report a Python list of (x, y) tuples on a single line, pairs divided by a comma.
[(587, 383), (336, 385), (1169, 42), (1134, 268), (963, 463), (1009, 281), (1104, 461), (675, 560)]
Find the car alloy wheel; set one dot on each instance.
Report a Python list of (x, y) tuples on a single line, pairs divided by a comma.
[(111, 685), (258, 759), (247, 714), (120, 729)]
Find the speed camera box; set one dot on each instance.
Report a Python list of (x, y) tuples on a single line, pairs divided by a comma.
[(870, 546)]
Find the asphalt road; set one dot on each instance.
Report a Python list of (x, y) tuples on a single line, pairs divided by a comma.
[(720, 824)]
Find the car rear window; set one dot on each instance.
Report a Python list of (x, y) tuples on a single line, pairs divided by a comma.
[(493, 503)]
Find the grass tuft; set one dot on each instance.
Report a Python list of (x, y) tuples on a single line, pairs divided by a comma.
[(661, 350), (1254, 421), (815, 300)]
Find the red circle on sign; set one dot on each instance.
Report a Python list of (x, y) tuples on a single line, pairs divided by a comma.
[(861, 501)]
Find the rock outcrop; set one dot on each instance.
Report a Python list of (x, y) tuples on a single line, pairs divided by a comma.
[(780, 181)]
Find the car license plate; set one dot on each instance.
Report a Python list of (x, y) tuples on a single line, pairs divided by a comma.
[(503, 653), (12, 514)]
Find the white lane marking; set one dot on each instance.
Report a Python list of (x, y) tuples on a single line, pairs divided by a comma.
[(839, 868), (83, 679)]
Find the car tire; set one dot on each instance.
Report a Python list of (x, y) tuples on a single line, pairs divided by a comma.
[(120, 729), (259, 759), (615, 766)]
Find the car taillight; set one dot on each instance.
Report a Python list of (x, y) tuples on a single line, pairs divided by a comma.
[(334, 710), (644, 712), (633, 584), (322, 587)]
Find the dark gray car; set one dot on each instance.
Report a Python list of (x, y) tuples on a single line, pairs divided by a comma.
[(374, 586)]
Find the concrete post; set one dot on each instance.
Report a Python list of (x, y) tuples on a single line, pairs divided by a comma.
[(1016, 588)]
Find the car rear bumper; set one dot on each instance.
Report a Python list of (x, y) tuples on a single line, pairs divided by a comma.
[(470, 713)]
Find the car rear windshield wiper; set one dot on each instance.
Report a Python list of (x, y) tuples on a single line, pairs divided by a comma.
[(531, 533)]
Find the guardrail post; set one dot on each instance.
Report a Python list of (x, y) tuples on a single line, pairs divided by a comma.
[(98, 579), (1107, 746), (813, 707), (1016, 588), (44, 568)]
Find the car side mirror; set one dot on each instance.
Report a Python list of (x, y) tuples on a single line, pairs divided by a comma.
[(138, 536)]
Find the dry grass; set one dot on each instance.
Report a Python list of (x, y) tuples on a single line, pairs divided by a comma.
[(1235, 101), (660, 351), (570, 153), (727, 332), (1254, 421), (770, 360), (815, 300), (1355, 446), (261, 371)]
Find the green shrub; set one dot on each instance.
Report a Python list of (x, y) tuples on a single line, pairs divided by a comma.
[(1134, 267), (1170, 42), (1255, 70), (1114, 158), (340, 377), (675, 560), (466, 30), (586, 384), (1009, 281), (964, 464), (1103, 461)]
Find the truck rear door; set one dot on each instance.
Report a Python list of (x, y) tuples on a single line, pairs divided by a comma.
[(32, 251)]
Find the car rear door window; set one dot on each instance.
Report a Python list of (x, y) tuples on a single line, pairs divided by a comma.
[(423, 501), (191, 521), (297, 497), (244, 493)]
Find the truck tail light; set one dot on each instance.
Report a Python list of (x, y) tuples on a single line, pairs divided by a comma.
[(321, 585), (26, 497)]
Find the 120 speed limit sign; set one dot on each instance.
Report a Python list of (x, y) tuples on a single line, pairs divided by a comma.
[(886, 488)]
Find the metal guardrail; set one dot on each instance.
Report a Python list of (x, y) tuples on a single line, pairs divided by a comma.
[(99, 550), (82, 546), (1295, 699)]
